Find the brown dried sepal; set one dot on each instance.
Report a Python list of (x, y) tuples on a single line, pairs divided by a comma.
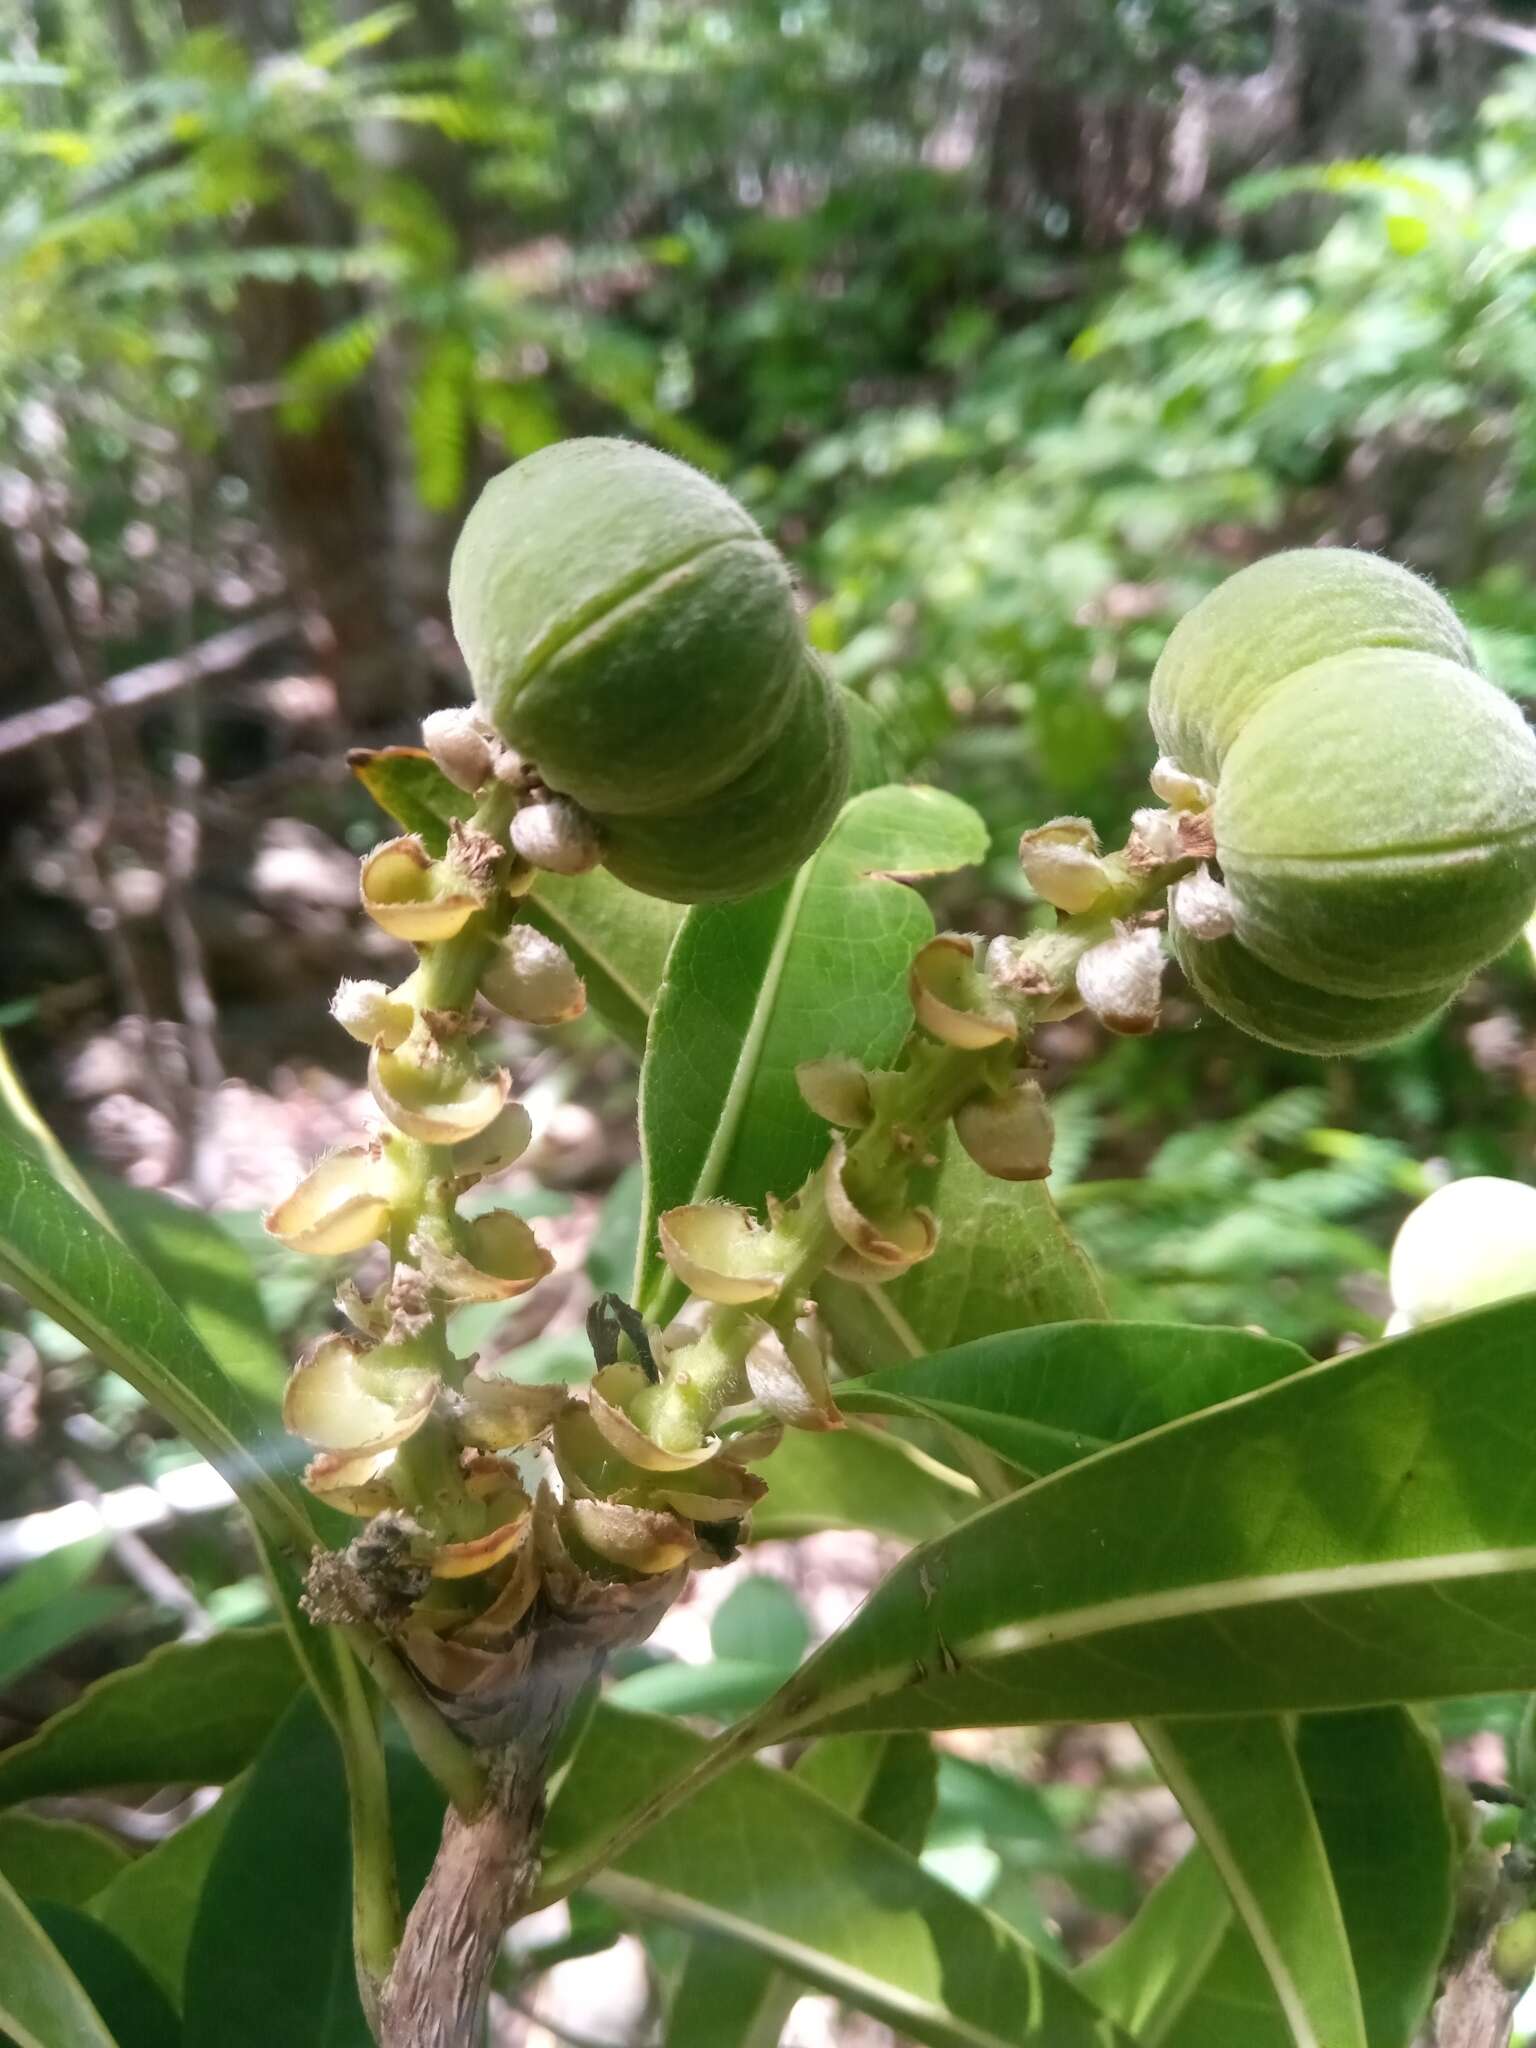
[(493, 1257), (337, 1401), (408, 895), (952, 1001), (440, 1103), (873, 1252), (721, 1253), (341, 1205)]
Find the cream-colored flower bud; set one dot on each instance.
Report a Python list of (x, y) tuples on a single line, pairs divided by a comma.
[(1009, 1135), (462, 745), (439, 1105), (1155, 836), (788, 1377), (1061, 864), (367, 1011), (645, 1540), (557, 835), (1121, 982), (407, 894), (340, 1400), (501, 1144), (341, 1204), (1203, 906), (837, 1089), (955, 1002), (721, 1253), (874, 1250), (532, 979), (1178, 788)]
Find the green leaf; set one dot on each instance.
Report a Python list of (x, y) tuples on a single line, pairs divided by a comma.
[(857, 1478), (272, 1961), (1185, 1972), (67, 1265), (1241, 1788), (1003, 1262), (815, 966), (271, 1952), (721, 1690), (861, 1919), (151, 1906), (730, 1996), (191, 1713), (1043, 1398), (1358, 1532), (44, 1606), (129, 2001), (42, 2004), (761, 1620), (617, 939), (61, 1860), (210, 1277)]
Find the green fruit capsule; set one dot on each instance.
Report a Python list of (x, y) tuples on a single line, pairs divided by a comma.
[(756, 829), (1239, 986), (631, 633), (1374, 813), (1258, 628), (1375, 824)]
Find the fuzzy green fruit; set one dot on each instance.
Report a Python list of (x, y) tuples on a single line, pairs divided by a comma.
[(756, 829), (1253, 632), (1237, 985), (1374, 808), (1375, 824), (631, 633)]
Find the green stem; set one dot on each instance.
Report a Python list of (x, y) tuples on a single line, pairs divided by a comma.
[(375, 1888), (448, 1760)]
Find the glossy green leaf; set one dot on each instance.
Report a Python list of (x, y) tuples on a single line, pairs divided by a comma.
[(720, 1690), (190, 1713), (1043, 1398), (774, 1865), (152, 1904), (760, 1619), (815, 966), (64, 1263), (210, 1278), (1185, 1973), (1004, 1261), (42, 2004), (1358, 1532), (64, 1861), (731, 1996), (45, 1605), (1241, 1787), (131, 2005), (857, 1478), (617, 938), (271, 1952)]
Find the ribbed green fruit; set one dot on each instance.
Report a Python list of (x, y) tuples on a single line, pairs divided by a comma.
[(1240, 987), (756, 829), (1375, 798), (630, 631), (1376, 824), (1258, 628)]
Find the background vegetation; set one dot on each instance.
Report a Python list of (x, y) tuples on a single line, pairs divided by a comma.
[(1017, 324)]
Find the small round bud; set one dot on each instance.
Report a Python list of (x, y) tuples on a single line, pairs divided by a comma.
[(1180, 790), (1121, 982), (460, 742), (1061, 864), (557, 835), (1468, 1245), (366, 1011), (532, 979), (1202, 906), (1156, 836), (1009, 1136)]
